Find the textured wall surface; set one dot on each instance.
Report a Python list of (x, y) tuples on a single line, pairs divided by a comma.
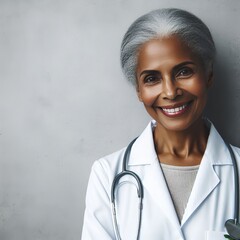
[(64, 102)]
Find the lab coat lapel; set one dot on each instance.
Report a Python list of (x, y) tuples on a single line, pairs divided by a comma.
[(201, 188), (143, 153), (155, 184), (216, 153)]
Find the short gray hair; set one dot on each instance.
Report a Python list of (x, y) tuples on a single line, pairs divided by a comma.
[(164, 23)]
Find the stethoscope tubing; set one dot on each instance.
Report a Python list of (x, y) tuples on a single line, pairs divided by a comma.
[(123, 173)]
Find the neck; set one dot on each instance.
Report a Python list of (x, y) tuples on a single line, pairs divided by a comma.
[(181, 147)]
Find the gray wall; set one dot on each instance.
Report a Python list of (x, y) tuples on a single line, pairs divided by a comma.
[(64, 102)]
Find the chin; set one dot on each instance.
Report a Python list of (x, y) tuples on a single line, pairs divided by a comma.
[(177, 125)]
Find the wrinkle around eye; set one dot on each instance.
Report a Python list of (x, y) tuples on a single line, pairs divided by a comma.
[(150, 76), (151, 79), (184, 73)]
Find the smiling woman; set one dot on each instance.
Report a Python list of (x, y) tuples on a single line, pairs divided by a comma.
[(180, 165)]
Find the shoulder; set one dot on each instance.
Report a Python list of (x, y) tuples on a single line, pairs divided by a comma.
[(102, 174), (109, 164), (114, 160)]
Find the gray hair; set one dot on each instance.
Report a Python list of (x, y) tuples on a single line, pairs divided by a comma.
[(165, 23)]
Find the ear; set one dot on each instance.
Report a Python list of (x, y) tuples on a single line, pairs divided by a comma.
[(138, 94), (210, 76)]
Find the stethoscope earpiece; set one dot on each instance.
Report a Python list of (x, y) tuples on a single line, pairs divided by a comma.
[(233, 228)]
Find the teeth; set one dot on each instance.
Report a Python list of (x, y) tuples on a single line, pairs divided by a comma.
[(174, 110)]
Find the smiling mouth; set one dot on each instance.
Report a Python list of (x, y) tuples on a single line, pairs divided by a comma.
[(176, 111)]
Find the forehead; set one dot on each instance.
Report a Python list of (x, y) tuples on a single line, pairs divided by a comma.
[(160, 51)]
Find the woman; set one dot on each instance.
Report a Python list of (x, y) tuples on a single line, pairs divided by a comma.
[(183, 163)]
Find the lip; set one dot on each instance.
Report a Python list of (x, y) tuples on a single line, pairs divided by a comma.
[(176, 110)]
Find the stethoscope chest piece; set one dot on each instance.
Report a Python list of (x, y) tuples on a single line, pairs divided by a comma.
[(233, 229)]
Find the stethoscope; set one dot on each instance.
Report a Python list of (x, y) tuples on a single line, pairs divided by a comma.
[(232, 225)]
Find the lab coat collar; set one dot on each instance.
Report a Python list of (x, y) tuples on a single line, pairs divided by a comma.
[(216, 150), (143, 151)]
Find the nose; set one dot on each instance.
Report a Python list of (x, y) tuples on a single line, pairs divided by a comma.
[(170, 89)]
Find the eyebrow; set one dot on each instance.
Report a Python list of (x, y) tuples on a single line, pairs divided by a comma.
[(149, 72), (174, 68), (183, 64)]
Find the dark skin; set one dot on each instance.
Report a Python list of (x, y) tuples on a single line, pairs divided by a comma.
[(172, 83), (182, 149)]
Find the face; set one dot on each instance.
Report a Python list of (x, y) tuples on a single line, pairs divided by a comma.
[(172, 83)]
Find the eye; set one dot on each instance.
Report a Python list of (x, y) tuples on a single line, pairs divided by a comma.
[(151, 79), (185, 72)]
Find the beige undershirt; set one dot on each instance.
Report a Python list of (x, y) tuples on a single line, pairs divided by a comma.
[(180, 180)]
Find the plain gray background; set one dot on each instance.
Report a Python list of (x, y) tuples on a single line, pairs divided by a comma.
[(64, 101)]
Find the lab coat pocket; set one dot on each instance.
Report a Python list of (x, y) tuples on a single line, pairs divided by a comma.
[(215, 235)]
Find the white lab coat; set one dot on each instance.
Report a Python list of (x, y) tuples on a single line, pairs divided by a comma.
[(210, 204)]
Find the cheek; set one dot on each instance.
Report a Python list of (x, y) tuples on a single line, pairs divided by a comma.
[(197, 87), (201, 92), (149, 97)]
